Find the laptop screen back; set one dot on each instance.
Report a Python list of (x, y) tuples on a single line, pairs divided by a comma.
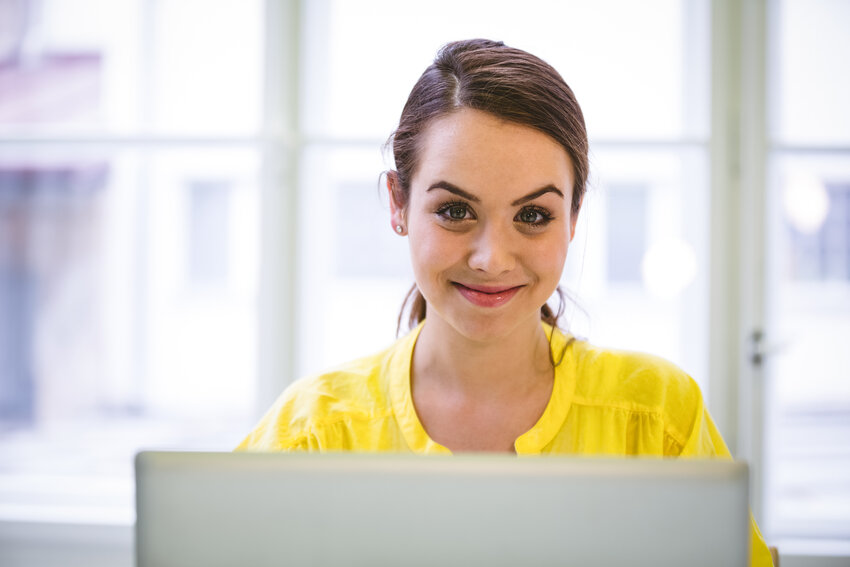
[(354, 509)]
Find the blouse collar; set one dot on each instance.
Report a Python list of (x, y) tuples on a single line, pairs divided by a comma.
[(529, 443)]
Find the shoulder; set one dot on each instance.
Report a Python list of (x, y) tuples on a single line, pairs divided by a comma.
[(637, 383), (644, 387), (354, 392), (354, 387), (642, 379)]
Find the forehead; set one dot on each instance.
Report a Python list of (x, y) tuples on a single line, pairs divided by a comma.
[(477, 150)]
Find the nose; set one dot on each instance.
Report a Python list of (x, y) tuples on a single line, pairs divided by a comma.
[(492, 250)]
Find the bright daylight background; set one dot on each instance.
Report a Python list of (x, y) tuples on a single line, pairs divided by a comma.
[(191, 217)]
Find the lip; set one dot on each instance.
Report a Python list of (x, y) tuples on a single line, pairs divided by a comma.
[(487, 296)]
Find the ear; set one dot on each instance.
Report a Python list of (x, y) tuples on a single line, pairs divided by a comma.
[(398, 216)]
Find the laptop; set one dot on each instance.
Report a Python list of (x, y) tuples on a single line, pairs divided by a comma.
[(309, 509)]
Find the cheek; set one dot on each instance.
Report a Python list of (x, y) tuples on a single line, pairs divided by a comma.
[(549, 258), (432, 250)]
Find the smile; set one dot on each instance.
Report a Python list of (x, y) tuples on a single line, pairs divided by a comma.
[(486, 296)]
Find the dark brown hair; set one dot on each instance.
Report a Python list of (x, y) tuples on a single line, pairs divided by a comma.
[(506, 82)]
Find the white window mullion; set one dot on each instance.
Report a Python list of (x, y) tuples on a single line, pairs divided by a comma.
[(276, 309), (737, 226), (724, 297), (752, 262)]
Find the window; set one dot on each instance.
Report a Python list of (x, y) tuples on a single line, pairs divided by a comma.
[(129, 243), (807, 394), (208, 235), (626, 234), (819, 242)]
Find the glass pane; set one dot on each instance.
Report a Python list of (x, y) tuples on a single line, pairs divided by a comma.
[(813, 86), (129, 279), (807, 405), (808, 415), (638, 266), (354, 270), (645, 77), (206, 65), (182, 66)]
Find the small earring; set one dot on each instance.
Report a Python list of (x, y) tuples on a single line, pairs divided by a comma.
[(399, 229)]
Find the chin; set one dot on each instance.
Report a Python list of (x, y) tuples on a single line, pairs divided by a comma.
[(484, 328)]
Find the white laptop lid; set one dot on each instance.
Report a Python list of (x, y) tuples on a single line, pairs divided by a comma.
[(259, 510)]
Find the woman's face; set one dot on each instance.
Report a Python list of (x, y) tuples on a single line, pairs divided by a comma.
[(488, 221)]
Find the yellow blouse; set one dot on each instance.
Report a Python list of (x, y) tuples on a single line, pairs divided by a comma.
[(603, 402)]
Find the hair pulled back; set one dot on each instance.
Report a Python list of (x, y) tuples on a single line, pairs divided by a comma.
[(508, 83)]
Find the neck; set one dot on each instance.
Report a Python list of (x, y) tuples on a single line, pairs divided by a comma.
[(509, 365)]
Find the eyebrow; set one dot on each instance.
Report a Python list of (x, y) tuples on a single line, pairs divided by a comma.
[(534, 194), (452, 188)]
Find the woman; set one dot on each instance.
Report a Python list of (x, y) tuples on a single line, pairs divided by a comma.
[(491, 162)]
